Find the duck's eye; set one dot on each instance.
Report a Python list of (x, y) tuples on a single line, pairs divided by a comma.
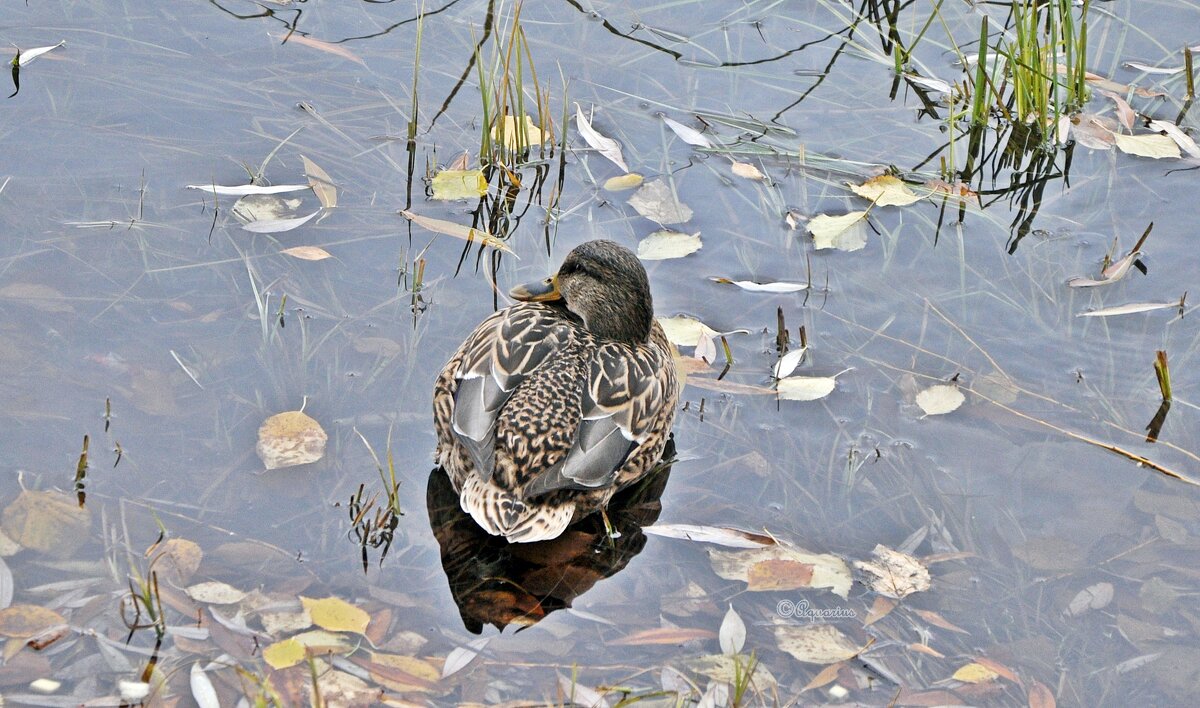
[(568, 268)]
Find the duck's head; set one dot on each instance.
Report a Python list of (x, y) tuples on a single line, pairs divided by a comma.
[(605, 286)]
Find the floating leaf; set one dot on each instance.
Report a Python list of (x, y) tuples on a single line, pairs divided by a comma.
[(319, 44), (336, 615), (719, 535), (509, 135), (1131, 308), (307, 253), (656, 201), (1152, 145), (940, 399), (459, 184), (1125, 112), (721, 386), (321, 183), (747, 170), (805, 388), (215, 593), (450, 228), (607, 147), (1182, 139), (928, 83), (684, 331), (47, 522), (29, 55), (623, 182), (290, 438), (691, 136), (886, 190), (248, 189), (782, 567), (275, 226), (1164, 70), (732, 635), (788, 362), (844, 232), (1091, 132), (975, 673), (664, 244), (815, 643), (894, 574), (754, 287)]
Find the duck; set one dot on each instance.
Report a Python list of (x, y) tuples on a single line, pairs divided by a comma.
[(557, 402)]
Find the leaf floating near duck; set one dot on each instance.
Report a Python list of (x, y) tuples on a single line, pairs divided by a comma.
[(754, 287), (289, 439), (450, 228), (657, 202), (664, 244), (606, 146), (691, 136)]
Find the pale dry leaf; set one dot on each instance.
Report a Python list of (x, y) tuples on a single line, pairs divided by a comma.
[(579, 695), (929, 83), (290, 438), (788, 362), (1152, 145), (623, 182), (318, 44), (691, 136), (516, 135), (1129, 309), (732, 635), (606, 146), (29, 55), (754, 287), (718, 535), (940, 399), (805, 388), (215, 593), (1093, 597), (656, 201), (1091, 132), (684, 331), (1182, 139), (459, 657), (975, 672), (747, 171), (886, 190), (1163, 70), (1125, 112), (451, 185), (203, 691), (450, 228), (248, 189), (665, 244), (815, 643), (322, 185), (844, 232), (275, 226), (307, 253), (783, 567)]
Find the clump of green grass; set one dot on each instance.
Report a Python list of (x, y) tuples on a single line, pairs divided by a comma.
[(505, 82), (1045, 61)]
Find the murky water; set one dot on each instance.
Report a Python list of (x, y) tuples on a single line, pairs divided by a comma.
[(118, 284)]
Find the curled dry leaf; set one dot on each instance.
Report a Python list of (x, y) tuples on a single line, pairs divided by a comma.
[(1131, 308), (450, 228), (886, 190), (320, 182), (719, 535), (894, 574), (691, 136), (844, 232), (1185, 141), (929, 83), (940, 399), (664, 244), (29, 55), (788, 362), (1125, 112), (290, 438), (657, 202), (203, 691), (606, 146), (684, 331)]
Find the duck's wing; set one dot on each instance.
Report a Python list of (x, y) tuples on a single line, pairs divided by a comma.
[(497, 357), (626, 390)]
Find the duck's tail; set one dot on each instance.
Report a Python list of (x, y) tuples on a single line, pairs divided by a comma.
[(502, 514)]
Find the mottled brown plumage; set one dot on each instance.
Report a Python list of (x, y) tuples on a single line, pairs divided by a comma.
[(553, 404)]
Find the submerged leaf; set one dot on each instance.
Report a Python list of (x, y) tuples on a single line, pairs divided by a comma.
[(664, 244), (606, 146), (815, 643), (450, 228), (656, 201), (975, 673), (290, 438), (782, 567), (894, 574), (48, 522), (336, 615), (844, 232)]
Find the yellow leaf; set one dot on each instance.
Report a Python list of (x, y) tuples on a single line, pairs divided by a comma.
[(886, 190), (1147, 145), (290, 438), (48, 522), (510, 135), (24, 621), (459, 184), (975, 673), (307, 253), (283, 654), (336, 615), (619, 184), (456, 230)]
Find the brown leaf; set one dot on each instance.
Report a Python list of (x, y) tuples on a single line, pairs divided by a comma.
[(25, 621), (926, 649), (779, 574), (824, 677), (999, 668), (1040, 696), (664, 635), (938, 621), (880, 609), (47, 522)]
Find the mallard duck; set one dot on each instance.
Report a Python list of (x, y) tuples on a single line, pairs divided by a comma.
[(555, 403)]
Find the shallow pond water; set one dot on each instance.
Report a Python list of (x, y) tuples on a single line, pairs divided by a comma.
[(1058, 563)]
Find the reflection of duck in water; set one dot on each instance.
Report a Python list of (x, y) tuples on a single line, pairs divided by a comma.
[(555, 403), (500, 583)]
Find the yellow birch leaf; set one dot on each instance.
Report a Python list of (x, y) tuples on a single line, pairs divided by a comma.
[(975, 673), (336, 615), (886, 190), (284, 653), (449, 185)]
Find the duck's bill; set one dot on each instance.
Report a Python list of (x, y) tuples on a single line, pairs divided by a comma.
[(539, 291)]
